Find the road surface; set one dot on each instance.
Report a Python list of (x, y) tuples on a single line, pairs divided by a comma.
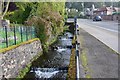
[(96, 59), (105, 31)]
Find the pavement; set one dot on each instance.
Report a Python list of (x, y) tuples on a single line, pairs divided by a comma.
[(100, 60)]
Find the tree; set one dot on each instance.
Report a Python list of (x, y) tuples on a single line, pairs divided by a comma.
[(4, 8), (74, 5), (119, 4), (19, 14), (114, 4)]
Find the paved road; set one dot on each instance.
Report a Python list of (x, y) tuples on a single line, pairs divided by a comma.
[(105, 31), (107, 25), (96, 59)]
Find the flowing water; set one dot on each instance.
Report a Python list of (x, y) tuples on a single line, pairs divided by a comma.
[(54, 63)]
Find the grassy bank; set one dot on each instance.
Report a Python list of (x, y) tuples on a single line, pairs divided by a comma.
[(72, 66), (83, 59), (47, 44)]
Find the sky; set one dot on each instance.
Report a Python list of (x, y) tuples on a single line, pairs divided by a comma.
[(61, 0)]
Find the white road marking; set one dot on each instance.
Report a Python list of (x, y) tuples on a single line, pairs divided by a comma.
[(102, 28), (105, 36)]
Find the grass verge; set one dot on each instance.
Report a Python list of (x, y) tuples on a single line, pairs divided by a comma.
[(83, 58), (72, 66)]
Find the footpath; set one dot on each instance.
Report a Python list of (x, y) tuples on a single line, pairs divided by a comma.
[(96, 59)]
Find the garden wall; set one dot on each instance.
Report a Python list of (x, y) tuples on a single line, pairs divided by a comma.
[(16, 59)]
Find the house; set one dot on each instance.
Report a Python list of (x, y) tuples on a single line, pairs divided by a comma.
[(87, 11), (107, 13), (116, 15), (104, 11)]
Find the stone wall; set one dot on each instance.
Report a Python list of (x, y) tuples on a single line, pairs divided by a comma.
[(13, 61), (116, 17), (111, 17), (107, 17)]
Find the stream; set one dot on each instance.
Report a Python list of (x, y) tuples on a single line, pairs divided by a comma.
[(54, 63)]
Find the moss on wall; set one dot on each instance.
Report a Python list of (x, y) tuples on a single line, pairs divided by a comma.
[(15, 46), (23, 72)]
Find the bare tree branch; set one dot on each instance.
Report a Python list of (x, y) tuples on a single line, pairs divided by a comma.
[(3, 5), (1, 9), (6, 8)]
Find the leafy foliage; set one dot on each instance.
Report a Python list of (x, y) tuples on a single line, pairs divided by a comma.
[(48, 17), (80, 6), (19, 15)]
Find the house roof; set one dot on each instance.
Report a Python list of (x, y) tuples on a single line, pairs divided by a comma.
[(100, 9), (117, 9), (107, 9), (103, 9)]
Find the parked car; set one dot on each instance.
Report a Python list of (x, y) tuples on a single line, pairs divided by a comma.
[(97, 18)]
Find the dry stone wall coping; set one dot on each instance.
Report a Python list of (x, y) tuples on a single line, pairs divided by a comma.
[(13, 60)]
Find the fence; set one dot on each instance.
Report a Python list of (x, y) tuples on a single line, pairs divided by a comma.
[(77, 46), (15, 35)]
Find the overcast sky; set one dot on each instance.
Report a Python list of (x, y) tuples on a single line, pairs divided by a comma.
[(62, 0)]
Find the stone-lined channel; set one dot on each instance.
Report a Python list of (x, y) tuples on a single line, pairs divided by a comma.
[(53, 64)]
